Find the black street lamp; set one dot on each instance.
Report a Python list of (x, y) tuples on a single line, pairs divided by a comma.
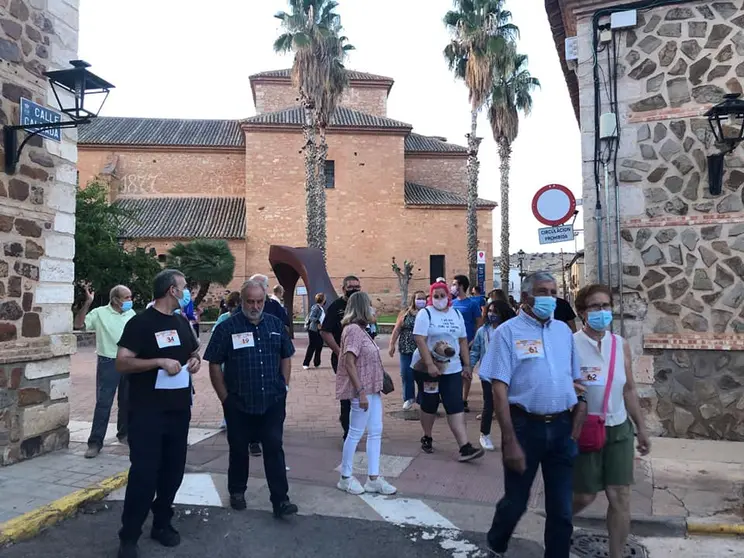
[(521, 256), (77, 81), (726, 121)]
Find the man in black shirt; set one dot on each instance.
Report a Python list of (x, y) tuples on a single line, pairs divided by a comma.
[(564, 313), (250, 362), (159, 352), (331, 329)]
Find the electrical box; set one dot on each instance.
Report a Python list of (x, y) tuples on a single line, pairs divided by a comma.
[(624, 20), (605, 36), (572, 48), (607, 126)]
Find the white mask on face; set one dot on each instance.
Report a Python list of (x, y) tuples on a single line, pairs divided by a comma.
[(440, 303)]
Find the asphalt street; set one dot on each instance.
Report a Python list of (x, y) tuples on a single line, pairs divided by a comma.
[(218, 532)]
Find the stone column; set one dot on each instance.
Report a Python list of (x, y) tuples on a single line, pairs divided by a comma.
[(37, 226)]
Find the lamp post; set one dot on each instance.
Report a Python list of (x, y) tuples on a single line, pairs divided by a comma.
[(521, 256), (77, 81), (726, 121)]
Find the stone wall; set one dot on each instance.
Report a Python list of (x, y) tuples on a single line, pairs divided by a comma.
[(446, 173), (681, 247), (37, 224)]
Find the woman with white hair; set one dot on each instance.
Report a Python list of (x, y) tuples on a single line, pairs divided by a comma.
[(359, 379)]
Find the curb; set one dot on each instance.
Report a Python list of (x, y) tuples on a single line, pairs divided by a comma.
[(705, 528), (641, 526), (31, 523)]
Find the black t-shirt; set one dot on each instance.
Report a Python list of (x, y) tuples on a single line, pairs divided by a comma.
[(153, 334), (563, 311), (333, 317)]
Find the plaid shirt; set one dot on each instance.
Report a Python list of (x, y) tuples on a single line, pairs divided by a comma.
[(253, 372)]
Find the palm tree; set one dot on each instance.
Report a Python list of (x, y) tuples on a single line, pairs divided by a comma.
[(481, 30), (203, 261), (312, 31), (511, 93)]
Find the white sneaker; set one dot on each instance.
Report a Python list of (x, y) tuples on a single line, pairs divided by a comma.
[(350, 485), (486, 443), (305, 367), (408, 405), (379, 486)]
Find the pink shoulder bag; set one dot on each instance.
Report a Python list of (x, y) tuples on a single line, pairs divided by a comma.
[(593, 434)]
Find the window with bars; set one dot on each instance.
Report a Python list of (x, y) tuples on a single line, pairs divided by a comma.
[(330, 174)]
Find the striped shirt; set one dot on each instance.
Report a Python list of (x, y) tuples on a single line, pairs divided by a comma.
[(537, 361)]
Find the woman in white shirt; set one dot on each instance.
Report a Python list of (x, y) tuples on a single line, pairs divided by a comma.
[(438, 326), (611, 468)]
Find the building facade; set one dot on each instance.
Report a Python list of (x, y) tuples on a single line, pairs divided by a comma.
[(37, 226), (390, 192), (675, 248)]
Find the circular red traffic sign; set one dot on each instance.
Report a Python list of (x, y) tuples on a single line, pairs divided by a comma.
[(553, 205)]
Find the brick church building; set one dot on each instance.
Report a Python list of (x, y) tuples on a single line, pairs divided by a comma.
[(390, 192)]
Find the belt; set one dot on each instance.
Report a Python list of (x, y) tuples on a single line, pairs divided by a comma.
[(516, 409)]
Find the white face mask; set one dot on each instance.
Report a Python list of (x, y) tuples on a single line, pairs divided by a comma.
[(440, 303)]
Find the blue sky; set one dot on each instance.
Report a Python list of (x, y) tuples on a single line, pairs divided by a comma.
[(192, 59)]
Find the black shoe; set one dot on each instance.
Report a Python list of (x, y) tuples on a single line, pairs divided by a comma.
[(237, 502), (465, 407), (254, 449), (167, 536), (128, 550), (285, 509), (468, 453), (427, 444)]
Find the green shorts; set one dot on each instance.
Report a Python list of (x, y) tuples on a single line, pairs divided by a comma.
[(612, 466)]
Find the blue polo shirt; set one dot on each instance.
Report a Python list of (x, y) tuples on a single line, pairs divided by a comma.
[(252, 364), (471, 312)]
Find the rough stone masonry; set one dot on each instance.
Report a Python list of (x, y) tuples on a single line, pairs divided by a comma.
[(37, 226)]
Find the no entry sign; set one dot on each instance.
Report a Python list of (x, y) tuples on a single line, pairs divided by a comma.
[(553, 205)]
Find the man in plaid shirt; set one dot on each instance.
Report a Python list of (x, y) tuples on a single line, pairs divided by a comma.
[(249, 358)]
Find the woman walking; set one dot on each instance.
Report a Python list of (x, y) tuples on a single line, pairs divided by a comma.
[(496, 313), (315, 344), (359, 379), (440, 330), (612, 399), (403, 336)]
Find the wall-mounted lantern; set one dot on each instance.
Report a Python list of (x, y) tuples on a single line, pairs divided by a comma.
[(726, 121), (77, 84)]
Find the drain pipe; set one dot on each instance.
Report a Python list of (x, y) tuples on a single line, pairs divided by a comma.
[(609, 224), (600, 259), (620, 285)]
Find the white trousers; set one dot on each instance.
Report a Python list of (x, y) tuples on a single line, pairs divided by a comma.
[(360, 420)]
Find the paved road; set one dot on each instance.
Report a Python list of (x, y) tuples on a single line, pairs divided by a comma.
[(218, 533)]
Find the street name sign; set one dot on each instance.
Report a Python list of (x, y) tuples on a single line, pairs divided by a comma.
[(33, 114), (552, 235)]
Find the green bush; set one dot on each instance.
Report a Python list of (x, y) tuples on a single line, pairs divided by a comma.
[(210, 314)]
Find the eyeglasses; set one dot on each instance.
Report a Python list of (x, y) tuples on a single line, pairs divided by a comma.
[(597, 307)]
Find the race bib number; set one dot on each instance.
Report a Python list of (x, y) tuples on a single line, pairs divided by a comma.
[(166, 339), (593, 376), (529, 349), (431, 387), (243, 340)]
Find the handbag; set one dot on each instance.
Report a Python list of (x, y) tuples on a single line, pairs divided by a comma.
[(593, 434), (387, 384)]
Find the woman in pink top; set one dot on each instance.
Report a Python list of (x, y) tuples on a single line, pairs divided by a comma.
[(359, 379)]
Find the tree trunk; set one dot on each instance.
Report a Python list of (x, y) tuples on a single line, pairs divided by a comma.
[(472, 213), (203, 290), (310, 149), (505, 157), (320, 189)]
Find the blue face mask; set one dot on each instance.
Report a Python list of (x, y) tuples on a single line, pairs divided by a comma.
[(599, 320), (544, 307), (493, 319), (126, 306), (183, 302)]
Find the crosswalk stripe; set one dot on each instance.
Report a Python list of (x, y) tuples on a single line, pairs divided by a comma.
[(406, 511), (198, 489)]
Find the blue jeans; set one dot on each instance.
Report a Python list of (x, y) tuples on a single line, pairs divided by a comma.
[(549, 445), (108, 382), (406, 375)]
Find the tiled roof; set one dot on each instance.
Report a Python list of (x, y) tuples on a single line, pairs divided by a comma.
[(416, 143), (107, 130), (416, 194), (287, 73), (342, 118), (184, 217)]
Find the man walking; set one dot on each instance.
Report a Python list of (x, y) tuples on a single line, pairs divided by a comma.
[(472, 314), (159, 352), (108, 324), (331, 329), (532, 365), (250, 360)]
